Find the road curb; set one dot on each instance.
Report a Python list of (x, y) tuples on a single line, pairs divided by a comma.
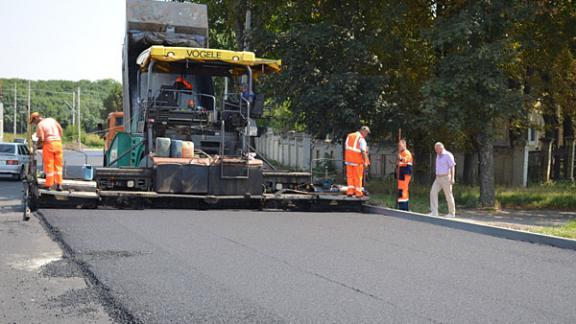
[(501, 232)]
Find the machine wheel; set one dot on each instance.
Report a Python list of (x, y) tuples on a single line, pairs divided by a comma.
[(27, 213), (26, 203)]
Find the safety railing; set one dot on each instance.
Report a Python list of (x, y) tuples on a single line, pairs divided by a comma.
[(179, 100), (229, 105)]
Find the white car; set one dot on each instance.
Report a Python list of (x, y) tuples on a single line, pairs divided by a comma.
[(14, 158)]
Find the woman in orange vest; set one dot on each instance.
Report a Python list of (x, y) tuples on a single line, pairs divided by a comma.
[(356, 159), (404, 175), (49, 132)]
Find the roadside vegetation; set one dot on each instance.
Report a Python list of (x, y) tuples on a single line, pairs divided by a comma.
[(567, 231), (89, 140), (553, 195), (57, 99)]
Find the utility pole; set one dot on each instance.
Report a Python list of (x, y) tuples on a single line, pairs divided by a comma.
[(1, 115), (29, 97), (78, 122), (15, 103), (73, 108)]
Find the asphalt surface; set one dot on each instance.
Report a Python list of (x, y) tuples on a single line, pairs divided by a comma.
[(176, 266), (38, 284)]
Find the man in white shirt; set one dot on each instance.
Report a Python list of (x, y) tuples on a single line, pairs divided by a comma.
[(445, 178)]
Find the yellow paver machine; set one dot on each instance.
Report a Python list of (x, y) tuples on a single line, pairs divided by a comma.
[(185, 136)]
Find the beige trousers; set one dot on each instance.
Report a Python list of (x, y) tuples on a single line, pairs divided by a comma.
[(442, 183)]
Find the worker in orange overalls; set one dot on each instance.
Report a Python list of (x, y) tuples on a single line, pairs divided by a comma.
[(356, 159), (404, 175), (49, 132), (182, 84)]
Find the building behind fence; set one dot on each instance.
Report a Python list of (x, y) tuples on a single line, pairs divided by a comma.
[(515, 164), (299, 151)]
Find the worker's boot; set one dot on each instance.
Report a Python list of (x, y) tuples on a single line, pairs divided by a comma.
[(59, 187)]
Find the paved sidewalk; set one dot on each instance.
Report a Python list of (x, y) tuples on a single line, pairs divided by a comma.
[(517, 218)]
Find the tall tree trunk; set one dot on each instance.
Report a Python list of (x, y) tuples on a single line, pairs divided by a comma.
[(551, 124), (239, 8), (468, 171), (568, 148), (486, 158), (421, 162), (546, 158)]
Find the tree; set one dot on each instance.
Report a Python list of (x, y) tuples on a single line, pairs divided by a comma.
[(549, 68), (471, 87), (113, 102)]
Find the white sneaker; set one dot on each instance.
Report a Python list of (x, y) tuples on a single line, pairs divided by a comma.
[(450, 216)]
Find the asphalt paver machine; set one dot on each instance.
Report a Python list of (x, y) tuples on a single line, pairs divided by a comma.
[(188, 123)]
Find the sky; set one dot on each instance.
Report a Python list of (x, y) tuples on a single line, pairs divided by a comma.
[(61, 39)]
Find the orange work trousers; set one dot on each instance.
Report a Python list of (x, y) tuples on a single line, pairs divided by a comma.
[(52, 159), (403, 192), (354, 177)]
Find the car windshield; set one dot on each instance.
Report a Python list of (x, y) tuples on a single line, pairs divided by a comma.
[(7, 148)]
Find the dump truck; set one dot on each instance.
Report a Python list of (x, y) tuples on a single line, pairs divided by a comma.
[(185, 136)]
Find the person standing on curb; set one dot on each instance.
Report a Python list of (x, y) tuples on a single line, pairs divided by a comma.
[(356, 159), (445, 178), (404, 175)]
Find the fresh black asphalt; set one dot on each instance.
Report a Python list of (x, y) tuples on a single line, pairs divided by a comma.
[(180, 266)]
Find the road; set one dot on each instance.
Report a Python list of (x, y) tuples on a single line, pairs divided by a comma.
[(179, 266), (247, 266)]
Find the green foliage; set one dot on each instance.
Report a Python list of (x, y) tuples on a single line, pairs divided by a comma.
[(112, 102), (93, 141), (471, 88), (55, 98), (281, 119), (70, 136)]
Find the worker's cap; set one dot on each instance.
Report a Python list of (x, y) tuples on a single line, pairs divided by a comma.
[(366, 129), (33, 117)]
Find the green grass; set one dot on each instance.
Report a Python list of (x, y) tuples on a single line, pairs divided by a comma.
[(555, 196), (384, 192), (9, 137), (567, 231), (93, 141)]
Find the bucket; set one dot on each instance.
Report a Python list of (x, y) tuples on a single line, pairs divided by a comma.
[(176, 149), (87, 172), (187, 150), (163, 146)]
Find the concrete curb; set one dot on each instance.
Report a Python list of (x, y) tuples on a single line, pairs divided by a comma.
[(506, 233)]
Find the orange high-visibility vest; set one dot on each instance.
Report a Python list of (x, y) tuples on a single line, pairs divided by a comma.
[(185, 83), (352, 152), (406, 158), (49, 130)]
